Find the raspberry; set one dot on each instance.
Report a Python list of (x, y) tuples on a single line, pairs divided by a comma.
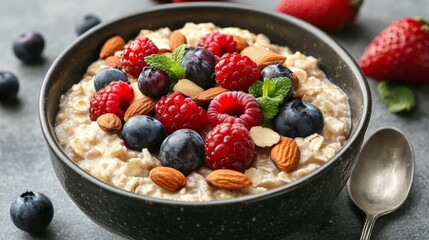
[(236, 72), (114, 98), (229, 146), (175, 111), (134, 53), (218, 43), (234, 107)]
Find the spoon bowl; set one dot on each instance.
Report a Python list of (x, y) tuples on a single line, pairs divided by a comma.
[(382, 176)]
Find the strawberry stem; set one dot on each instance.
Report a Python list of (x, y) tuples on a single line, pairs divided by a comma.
[(356, 3)]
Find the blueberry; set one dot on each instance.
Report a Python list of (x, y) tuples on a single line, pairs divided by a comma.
[(9, 86), (142, 131), (298, 119), (32, 212), (29, 46), (88, 22), (183, 150), (153, 83), (279, 70), (107, 75), (200, 64)]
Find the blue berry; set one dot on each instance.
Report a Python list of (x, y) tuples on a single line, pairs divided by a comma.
[(153, 83), (107, 75), (298, 119), (279, 70), (32, 212), (200, 64), (142, 131), (183, 150), (29, 47), (9, 86), (88, 22)]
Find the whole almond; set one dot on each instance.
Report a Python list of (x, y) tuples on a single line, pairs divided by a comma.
[(176, 39), (228, 179), (241, 43), (205, 97), (285, 154), (113, 61), (109, 122), (142, 106), (112, 45), (268, 59), (168, 178)]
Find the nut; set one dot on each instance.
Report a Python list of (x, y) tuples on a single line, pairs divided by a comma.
[(205, 97), (112, 45), (113, 61), (269, 58), (188, 88), (285, 154), (228, 179), (254, 52), (109, 122), (168, 178), (142, 106), (241, 43), (264, 137), (176, 39)]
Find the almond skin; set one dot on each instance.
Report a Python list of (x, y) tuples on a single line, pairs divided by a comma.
[(269, 58), (241, 43), (112, 45), (285, 154), (113, 61), (228, 179), (204, 98), (142, 106), (176, 39), (168, 178), (110, 123)]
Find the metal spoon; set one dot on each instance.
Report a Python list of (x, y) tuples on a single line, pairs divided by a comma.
[(382, 177)]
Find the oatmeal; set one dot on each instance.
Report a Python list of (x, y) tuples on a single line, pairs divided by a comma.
[(106, 156)]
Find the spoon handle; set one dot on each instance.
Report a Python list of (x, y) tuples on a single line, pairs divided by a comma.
[(367, 227)]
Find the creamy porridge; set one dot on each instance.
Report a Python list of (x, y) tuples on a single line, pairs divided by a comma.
[(105, 156)]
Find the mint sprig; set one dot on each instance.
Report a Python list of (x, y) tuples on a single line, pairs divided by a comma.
[(171, 66), (270, 94), (397, 97)]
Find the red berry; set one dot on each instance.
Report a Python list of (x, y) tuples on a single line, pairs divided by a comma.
[(134, 53), (175, 111), (218, 43), (399, 53), (329, 15), (114, 98), (229, 146), (236, 72), (234, 107)]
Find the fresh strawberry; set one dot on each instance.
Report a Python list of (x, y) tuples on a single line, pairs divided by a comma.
[(330, 15), (399, 53)]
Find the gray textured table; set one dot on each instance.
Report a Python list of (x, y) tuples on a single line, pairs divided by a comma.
[(24, 160)]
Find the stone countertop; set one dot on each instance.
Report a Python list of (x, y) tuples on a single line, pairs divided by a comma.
[(25, 163)]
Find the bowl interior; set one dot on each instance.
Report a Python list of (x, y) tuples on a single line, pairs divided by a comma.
[(339, 66)]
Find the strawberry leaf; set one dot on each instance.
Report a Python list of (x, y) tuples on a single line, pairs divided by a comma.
[(397, 97)]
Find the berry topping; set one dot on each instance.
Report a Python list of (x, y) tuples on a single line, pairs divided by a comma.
[(153, 83), (278, 70), (218, 43), (229, 146), (142, 131), (114, 98), (175, 111), (29, 46), (200, 64), (107, 75), (236, 72), (134, 53), (183, 150), (234, 107), (9, 86), (298, 119), (32, 212), (88, 22)]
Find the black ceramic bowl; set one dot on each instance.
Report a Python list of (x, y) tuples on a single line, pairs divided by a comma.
[(268, 215)]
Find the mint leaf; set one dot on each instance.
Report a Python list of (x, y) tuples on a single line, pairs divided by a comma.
[(256, 89), (178, 54), (269, 108), (161, 62), (397, 97)]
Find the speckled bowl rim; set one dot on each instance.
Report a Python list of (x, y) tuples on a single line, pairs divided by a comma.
[(348, 59)]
